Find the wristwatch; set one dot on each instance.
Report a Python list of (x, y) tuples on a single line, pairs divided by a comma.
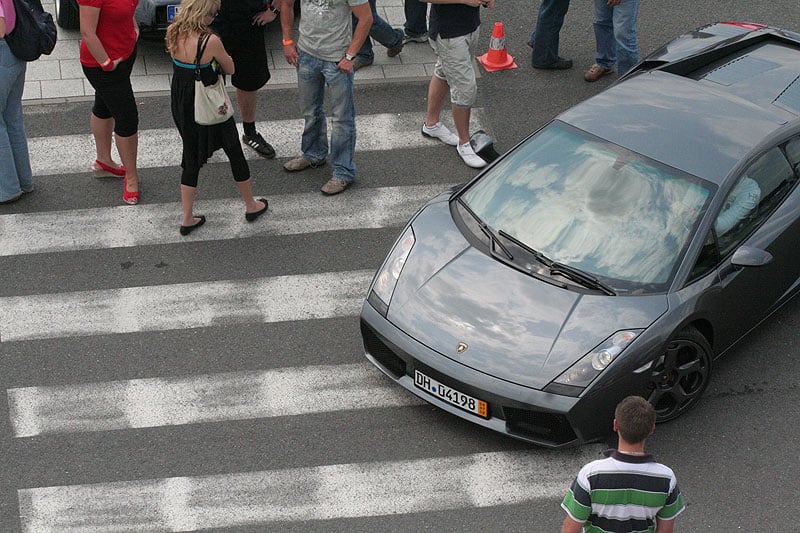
[(349, 57)]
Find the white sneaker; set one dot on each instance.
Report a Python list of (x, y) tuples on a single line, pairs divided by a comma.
[(469, 156), (440, 131)]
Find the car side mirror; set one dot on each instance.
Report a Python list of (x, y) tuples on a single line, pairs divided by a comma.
[(483, 145), (749, 256)]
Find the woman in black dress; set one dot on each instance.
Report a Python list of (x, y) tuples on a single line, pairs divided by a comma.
[(199, 142)]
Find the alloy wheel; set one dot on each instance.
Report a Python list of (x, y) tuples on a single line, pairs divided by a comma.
[(679, 377)]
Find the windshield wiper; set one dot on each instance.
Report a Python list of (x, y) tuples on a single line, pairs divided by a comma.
[(572, 273), (535, 253), (579, 276), (495, 242)]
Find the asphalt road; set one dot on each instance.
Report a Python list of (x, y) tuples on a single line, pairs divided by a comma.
[(735, 454)]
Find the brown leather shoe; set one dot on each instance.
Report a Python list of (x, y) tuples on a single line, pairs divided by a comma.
[(596, 72), (358, 64), (301, 163), (334, 186), (394, 50)]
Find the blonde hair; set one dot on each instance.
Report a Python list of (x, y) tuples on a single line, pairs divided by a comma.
[(190, 19)]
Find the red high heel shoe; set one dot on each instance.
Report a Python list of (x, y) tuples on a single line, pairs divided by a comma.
[(130, 198), (101, 170)]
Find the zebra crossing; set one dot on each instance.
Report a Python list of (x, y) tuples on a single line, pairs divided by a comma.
[(128, 425)]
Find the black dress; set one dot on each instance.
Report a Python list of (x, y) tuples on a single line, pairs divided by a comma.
[(200, 142)]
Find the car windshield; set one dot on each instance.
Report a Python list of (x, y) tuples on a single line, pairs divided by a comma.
[(593, 205)]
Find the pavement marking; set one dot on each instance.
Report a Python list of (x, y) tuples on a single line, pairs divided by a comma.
[(183, 306), (304, 494), (162, 147), (157, 402), (150, 224)]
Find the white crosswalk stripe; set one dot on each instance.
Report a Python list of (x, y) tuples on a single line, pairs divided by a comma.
[(318, 493), (149, 224), (182, 306), (156, 402), (161, 147), (137, 400)]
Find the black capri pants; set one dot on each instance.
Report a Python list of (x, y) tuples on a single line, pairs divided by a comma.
[(113, 96)]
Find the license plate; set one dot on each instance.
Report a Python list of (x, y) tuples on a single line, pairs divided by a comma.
[(450, 395), (172, 11)]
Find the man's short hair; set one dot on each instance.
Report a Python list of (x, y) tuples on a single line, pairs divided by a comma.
[(635, 418)]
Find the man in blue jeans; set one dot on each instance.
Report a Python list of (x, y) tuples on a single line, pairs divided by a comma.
[(615, 37), (324, 55), (382, 32), (415, 29), (544, 40)]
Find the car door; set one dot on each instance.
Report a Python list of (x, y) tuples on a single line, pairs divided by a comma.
[(761, 211)]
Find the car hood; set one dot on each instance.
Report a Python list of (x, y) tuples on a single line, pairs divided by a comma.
[(516, 327)]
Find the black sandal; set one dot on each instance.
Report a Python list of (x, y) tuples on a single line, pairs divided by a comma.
[(251, 217), (186, 230)]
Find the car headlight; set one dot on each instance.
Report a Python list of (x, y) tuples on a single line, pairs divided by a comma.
[(386, 279), (578, 376)]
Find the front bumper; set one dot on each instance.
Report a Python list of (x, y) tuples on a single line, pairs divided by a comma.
[(527, 414), (151, 15)]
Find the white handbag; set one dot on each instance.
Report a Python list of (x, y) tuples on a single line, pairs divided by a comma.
[(212, 105)]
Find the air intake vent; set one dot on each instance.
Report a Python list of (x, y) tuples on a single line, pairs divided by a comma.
[(743, 68)]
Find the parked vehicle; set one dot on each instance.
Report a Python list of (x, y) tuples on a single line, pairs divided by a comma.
[(152, 15), (618, 250)]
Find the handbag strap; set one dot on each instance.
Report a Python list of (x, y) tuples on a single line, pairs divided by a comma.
[(202, 42)]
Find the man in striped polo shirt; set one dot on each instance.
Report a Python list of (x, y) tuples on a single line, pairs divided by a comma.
[(628, 491)]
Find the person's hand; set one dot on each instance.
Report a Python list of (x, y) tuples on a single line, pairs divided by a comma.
[(291, 55), (264, 17), (345, 65), (113, 65), (474, 3), (488, 3)]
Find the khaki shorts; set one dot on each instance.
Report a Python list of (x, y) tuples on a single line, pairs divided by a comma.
[(454, 65)]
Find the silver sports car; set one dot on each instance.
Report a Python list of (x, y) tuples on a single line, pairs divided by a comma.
[(618, 250)]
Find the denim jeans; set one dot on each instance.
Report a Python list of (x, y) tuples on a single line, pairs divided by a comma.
[(15, 165), (416, 17), (381, 31), (544, 39), (615, 34), (313, 75)]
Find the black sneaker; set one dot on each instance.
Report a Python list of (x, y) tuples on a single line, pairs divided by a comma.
[(257, 143)]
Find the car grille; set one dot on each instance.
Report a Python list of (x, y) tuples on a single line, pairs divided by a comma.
[(539, 425), (382, 353)]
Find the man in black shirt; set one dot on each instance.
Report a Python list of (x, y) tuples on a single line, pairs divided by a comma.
[(454, 29), (240, 24)]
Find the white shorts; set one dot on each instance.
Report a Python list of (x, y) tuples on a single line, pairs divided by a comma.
[(454, 65)]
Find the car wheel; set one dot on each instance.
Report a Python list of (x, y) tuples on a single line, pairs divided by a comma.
[(679, 377), (67, 15)]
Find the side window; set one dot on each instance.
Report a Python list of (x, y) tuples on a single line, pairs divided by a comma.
[(707, 259), (758, 192), (793, 153)]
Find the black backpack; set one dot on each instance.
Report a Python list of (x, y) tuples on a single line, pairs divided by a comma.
[(34, 33)]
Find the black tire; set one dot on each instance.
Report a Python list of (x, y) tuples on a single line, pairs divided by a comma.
[(67, 15), (679, 377)]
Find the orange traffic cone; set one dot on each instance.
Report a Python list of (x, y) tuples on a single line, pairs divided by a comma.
[(497, 58)]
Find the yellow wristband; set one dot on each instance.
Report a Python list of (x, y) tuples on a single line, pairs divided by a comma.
[(287, 42)]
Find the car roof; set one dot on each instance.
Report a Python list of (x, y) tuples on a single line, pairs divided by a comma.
[(700, 114)]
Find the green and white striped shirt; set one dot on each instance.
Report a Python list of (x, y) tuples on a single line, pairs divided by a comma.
[(623, 494)]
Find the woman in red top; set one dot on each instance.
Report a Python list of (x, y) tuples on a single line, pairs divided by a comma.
[(108, 51)]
